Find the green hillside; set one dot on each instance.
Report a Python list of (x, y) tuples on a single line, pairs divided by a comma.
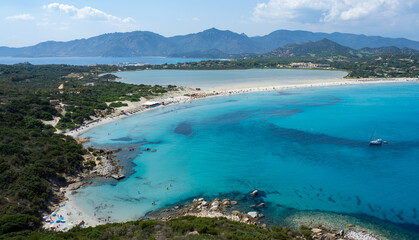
[(328, 48)]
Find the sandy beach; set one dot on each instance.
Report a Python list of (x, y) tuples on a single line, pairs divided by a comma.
[(69, 215), (74, 215)]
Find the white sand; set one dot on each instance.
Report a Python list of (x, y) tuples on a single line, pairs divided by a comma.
[(78, 215), (72, 214)]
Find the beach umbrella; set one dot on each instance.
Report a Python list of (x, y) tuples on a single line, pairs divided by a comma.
[(57, 221)]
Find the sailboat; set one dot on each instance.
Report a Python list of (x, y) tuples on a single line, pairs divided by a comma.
[(375, 141)]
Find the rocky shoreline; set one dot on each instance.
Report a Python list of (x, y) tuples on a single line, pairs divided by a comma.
[(225, 208), (97, 163)]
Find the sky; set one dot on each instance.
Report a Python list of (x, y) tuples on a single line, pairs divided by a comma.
[(28, 22)]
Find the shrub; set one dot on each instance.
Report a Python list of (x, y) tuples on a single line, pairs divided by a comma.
[(17, 222), (94, 234)]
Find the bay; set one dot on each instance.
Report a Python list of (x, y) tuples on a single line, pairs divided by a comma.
[(307, 149)]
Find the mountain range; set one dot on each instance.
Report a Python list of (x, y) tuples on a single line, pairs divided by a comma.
[(328, 48), (211, 41)]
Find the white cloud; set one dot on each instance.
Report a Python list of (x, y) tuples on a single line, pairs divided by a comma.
[(87, 13), (331, 10), (21, 17)]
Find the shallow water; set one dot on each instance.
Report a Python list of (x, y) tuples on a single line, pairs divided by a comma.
[(307, 149), (212, 78)]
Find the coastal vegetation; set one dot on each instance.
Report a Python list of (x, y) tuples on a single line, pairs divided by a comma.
[(78, 92), (383, 66), (187, 227), (34, 159)]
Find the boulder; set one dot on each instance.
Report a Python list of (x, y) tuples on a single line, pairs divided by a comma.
[(75, 186), (328, 236), (254, 193), (214, 205), (316, 230), (226, 202), (235, 212), (213, 208), (252, 214), (193, 233), (261, 205)]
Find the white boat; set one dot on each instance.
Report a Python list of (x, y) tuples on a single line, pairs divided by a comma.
[(376, 142)]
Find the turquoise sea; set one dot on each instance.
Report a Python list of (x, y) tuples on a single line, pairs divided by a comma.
[(304, 149)]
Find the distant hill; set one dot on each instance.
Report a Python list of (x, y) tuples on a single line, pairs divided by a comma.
[(388, 50), (143, 43), (225, 41), (284, 37), (328, 48), (210, 54), (322, 48)]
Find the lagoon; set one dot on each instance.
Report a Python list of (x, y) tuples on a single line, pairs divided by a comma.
[(223, 78), (306, 149)]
